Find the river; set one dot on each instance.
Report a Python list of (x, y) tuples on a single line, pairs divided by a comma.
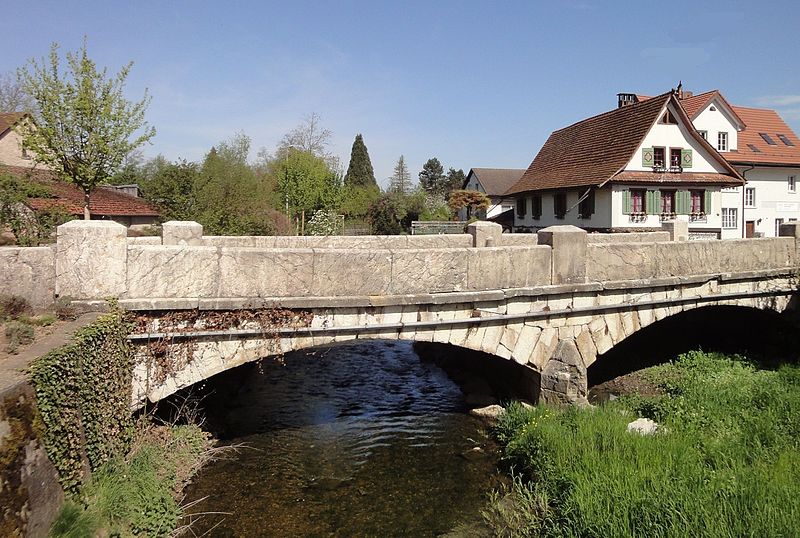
[(361, 439)]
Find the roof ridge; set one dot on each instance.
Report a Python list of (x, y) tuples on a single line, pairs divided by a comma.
[(665, 96)]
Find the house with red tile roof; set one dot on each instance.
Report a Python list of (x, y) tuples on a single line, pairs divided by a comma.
[(763, 149), (107, 202), (493, 182), (628, 169)]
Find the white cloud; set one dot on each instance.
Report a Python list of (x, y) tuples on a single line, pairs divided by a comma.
[(779, 100)]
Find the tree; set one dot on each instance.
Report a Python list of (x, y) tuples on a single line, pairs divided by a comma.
[(308, 184), (474, 201), (172, 188), (387, 213), (13, 97), (84, 126), (400, 182), (309, 137), (431, 176), (454, 181), (359, 171)]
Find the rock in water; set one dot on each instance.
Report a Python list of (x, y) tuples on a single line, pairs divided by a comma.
[(643, 426), (490, 413)]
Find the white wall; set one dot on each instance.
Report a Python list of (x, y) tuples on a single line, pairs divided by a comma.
[(773, 199), (11, 150), (497, 206), (714, 121), (600, 219), (675, 136)]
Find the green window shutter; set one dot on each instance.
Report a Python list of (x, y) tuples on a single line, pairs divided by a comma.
[(686, 158), (626, 202), (707, 202), (653, 202), (647, 156), (682, 202)]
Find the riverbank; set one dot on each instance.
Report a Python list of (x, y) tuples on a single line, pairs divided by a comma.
[(725, 462)]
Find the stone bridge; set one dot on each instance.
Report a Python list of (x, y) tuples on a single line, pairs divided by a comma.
[(551, 302)]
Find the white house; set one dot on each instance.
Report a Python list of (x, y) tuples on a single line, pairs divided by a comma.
[(628, 169), (11, 151), (493, 182)]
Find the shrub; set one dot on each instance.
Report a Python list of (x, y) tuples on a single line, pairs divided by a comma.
[(64, 309), (13, 306), (18, 334)]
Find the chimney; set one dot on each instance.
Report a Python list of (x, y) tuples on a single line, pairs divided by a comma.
[(625, 99), (687, 95)]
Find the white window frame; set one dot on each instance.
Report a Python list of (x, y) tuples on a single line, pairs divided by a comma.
[(730, 218), (792, 184), (704, 134), (778, 223), (750, 197), (722, 141)]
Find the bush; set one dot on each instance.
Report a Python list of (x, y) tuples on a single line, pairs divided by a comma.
[(18, 334), (64, 309), (13, 306)]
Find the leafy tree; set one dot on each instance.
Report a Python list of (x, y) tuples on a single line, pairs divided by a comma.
[(432, 175), (400, 182), (474, 201), (386, 214), (84, 125), (307, 184), (356, 201), (309, 137), (454, 181), (29, 227), (359, 171), (172, 189)]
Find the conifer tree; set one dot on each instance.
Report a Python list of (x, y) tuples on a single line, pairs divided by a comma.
[(400, 182), (359, 171)]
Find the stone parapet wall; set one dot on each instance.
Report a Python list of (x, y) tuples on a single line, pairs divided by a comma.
[(29, 272), (365, 242), (632, 237), (633, 261)]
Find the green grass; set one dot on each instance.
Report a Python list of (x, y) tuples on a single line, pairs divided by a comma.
[(137, 495), (727, 465)]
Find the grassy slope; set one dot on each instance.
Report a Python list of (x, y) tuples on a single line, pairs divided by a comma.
[(727, 465)]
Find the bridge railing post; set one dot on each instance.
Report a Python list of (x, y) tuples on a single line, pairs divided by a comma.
[(182, 232), (568, 256), (485, 234), (91, 259), (678, 229)]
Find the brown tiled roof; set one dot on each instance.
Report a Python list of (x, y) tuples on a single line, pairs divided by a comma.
[(8, 119), (631, 176), (695, 104), (496, 181), (762, 120), (103, 202), (591, 151)]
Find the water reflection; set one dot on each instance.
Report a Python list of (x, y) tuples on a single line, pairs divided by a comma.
[(356, 440)]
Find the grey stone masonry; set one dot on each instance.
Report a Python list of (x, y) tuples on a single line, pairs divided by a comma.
[(182, 232), (678, 229), (91, 259), (485, 234), (569, 253)]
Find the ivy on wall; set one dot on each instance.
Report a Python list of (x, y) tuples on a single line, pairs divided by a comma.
[(83, 393)]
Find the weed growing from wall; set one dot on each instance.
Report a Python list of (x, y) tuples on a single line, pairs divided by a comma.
[(83, 392)]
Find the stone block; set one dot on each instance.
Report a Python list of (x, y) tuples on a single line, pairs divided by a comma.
[(485, 234), (91, 257), (678, 229), (172, 271), (545, 345), (586, 346), (526, 342), (182, 232), (428, 271), (624, 261), (252, 272), (564, 380), (29, 272), (508, 267), (741, 255), (351, 272), (687, 258), (568, 258)]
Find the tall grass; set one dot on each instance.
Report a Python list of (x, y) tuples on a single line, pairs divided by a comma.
[(728, 463), (137, 495)]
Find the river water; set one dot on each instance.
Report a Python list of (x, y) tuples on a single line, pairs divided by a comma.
[(362, 439)]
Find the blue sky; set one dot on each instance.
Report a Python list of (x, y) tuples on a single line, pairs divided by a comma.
[(476, 84)]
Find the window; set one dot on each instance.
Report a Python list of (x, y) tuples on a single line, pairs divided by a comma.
[(722, 141), (536, 207), (704, 134), (749, 196), (586, 208), (637, 201), (667, 202), (668, 118), (778, 223), (730, 217), (698, 202), (785, 140), (560, 204), (753, 148), (792, 184), (768, 139), (674, 157), (522, 207), (659, 158)]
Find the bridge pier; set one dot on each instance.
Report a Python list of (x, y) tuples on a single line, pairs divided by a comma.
[(564, 379)]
